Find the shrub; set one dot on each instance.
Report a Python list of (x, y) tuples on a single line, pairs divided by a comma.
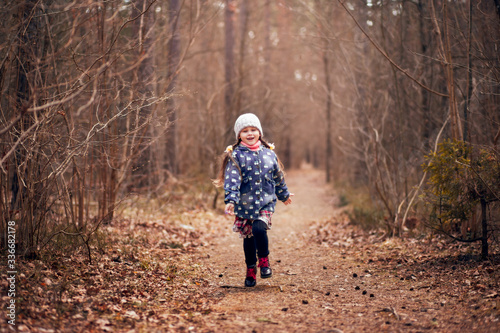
[(463, 179)]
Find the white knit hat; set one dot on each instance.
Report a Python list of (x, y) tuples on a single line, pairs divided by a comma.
[(247, 120)]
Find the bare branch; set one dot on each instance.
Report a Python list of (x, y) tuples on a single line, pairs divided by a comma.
[(375, 44)]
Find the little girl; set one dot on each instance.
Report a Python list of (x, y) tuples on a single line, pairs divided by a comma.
[(253, 178)]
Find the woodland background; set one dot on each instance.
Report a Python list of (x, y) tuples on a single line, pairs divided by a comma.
[(117, 103)]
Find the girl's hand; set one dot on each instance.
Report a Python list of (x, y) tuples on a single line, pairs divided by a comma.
[(289, 200), (229, 209)]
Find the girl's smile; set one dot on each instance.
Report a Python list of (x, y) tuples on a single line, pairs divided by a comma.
[(250, 135)]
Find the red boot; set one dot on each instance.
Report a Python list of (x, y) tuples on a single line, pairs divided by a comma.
[(251, 279), (265, 270)]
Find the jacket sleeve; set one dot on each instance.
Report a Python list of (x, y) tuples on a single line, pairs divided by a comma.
[(281, 190), (232, 183)]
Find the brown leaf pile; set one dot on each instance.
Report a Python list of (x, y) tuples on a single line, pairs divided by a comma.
[(146, 274)]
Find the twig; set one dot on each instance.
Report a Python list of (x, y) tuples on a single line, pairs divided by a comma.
[(481, 178), (14, 121), (423, 177), (391, 310), (389, 58), (14, 147)]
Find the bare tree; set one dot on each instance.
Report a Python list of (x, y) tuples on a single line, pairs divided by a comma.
[(174, 54), (229, 68)]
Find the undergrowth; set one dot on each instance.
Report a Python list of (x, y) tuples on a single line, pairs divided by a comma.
[(360, 208)]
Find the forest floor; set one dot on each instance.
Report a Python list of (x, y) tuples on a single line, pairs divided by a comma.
[(184, 272)]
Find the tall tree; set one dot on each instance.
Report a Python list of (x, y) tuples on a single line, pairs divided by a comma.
[(447, 61), (26, 171), (174, 52), (144, 78), (242, 70), (229, 70)]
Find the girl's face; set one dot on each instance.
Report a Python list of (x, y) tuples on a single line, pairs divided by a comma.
[(250, 135)]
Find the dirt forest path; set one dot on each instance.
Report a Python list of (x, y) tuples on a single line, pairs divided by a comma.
[(294, 299), (316, 288)]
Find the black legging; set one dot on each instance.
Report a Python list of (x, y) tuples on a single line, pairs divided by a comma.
[(258, 244)]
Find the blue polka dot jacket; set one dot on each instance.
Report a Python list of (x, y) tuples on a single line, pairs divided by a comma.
[(259, 184)]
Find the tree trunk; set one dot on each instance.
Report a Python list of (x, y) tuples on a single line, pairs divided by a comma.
[(469, 76), (484, 225), (239, 96), (426, 112), (174, 47), (25, 167), (145, 88), (106, 208), (328, 111), (447, 63), (229, 64), (323, 32)]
